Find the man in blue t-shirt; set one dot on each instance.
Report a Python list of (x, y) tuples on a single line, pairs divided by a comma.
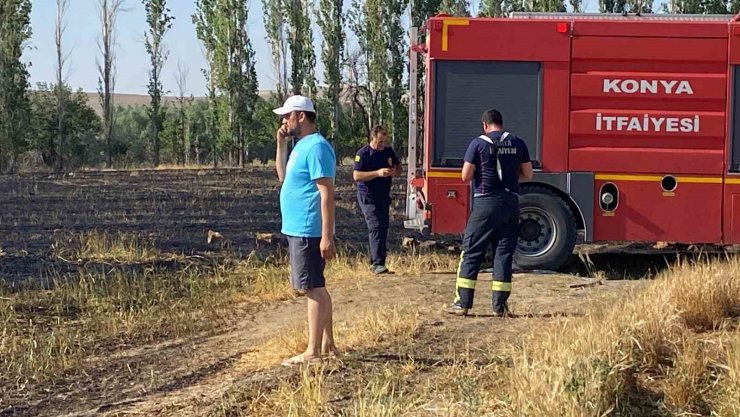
[(307, 209), (375, 164), (495, 161)]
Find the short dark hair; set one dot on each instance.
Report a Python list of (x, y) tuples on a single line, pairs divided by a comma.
[(376, 130), (310, 116), (493, 117)]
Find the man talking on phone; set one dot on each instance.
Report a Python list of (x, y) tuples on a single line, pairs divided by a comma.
[(307, 208)]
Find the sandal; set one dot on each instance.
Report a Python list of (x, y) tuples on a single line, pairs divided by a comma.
[(299, 360)]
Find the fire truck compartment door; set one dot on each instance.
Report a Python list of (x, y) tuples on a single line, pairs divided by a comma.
[(451, 205), (465, 89)]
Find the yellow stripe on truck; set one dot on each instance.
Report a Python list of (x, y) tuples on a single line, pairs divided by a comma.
[(451, 22), (617, 177), (657, 178), (444, 174)]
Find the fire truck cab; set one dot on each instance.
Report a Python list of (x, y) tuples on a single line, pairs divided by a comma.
[(632, 123)]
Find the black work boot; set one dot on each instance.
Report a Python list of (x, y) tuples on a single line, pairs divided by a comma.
[(501, 310), (456, 308)]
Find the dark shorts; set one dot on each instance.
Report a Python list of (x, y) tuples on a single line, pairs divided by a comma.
[(306, 263)]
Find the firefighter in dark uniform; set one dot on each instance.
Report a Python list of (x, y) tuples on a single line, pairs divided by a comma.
[(375, 165), (495, 162)]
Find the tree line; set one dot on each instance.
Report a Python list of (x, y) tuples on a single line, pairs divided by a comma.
[(364, 81)]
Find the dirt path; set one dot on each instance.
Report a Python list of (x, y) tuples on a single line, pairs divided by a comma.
[(189, 376)]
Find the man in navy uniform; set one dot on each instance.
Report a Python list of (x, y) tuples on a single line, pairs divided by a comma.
[(495, 162), (375, 165)]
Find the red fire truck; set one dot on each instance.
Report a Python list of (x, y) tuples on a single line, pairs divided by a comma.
[(632, 123)]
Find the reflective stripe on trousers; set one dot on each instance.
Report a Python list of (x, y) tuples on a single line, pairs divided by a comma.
[(494, 220)]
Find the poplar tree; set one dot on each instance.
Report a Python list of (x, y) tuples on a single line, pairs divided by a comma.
[(160, 21), (330, 19), (60, 26), (15, 30), (275, 26), (109, 11), (455, 7)]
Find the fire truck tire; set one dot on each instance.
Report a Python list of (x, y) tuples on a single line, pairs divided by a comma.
[(547, 230)]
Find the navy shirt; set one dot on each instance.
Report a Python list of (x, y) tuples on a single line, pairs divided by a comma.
[(368, 159), (511, 152)]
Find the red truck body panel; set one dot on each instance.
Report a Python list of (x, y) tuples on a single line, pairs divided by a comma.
[(630, 101)]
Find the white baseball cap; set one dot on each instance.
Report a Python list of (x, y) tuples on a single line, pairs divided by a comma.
[(296, 103)]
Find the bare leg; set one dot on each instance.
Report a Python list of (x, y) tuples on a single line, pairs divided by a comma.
[(327, 345), (316, 321)]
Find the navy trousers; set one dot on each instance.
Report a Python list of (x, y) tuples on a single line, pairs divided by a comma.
[(494, 220), (376, 211)]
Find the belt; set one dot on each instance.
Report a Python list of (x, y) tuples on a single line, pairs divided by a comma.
[(494, 192)]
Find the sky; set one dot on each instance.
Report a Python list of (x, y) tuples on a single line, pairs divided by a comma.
[(83, 32), (132, 62)]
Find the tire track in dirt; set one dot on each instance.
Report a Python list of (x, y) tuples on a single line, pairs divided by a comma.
[(196, 372)]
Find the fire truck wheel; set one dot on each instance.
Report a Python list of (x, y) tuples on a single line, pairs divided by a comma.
[(547, 230)]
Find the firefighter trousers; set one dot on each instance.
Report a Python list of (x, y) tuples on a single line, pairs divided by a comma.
[(494, 219), (376, 211)]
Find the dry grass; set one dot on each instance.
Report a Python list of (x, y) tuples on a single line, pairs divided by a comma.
[(705, 294), (348, 263), (45, 333), (403, 384), (670, 349), (370, 329), (642, 357), (100, 246), (51, 329), (727, 392), (306, 393), (269, 281), (651, 352)]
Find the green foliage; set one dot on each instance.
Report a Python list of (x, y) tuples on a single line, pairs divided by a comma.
[(300, 41), (549, 6), (376, 65), (204, 19), (702, 6), (275, 27), (490, 8), (612, 6), (455, 7), (577, 6), (330, 19), (201, 143), (130, 144), (159, 20), (423, 9), (80, 126), (109, 11), (263, 132), (508, 6), (396, 45), (15, 30), (221, 25)]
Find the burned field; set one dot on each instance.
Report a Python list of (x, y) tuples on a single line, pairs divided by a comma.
[(174, 209), (212, 213)]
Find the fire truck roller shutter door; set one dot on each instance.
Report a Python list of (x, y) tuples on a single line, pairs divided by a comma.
[(547, 230)]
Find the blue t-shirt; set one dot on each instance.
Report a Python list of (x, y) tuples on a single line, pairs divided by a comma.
[(300, 201), (511, 152), (368, 159)]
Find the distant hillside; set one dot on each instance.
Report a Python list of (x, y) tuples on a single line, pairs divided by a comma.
[(93, 100)]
